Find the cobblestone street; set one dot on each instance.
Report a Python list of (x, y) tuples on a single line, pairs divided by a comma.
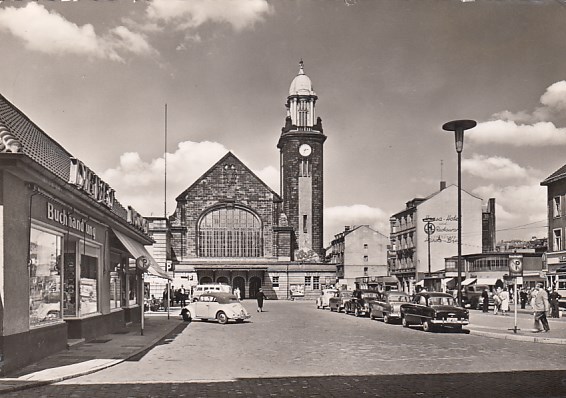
[(293, 349)]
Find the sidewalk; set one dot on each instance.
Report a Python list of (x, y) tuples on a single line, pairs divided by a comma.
[(498, 326), (88, 357)]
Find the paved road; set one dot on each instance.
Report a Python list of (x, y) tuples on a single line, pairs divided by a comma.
[(294, 349)]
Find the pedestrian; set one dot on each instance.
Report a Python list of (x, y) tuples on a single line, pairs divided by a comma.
[(485, 303), (504, 306), (554, 298), (496, 302), (165, 298), (172, 296), (524, 296), (237, 293), (541, 307), (183, 296), (260, 297)]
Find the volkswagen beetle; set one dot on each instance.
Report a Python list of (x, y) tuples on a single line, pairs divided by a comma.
[(216, 305)]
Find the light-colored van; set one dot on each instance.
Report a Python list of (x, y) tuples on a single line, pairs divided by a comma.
[(210, 287)]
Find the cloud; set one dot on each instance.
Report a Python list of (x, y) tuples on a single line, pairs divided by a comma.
[(516, 206), (494, 168), (522, 128), (50, 33), (240, 14), (508, 132), (335, 218), (140, 183)]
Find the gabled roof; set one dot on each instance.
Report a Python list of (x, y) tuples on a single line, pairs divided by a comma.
[(229, 155), (36, 144), (557, 175)]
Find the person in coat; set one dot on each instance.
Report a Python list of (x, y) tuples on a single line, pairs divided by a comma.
[(504, 296), (260, 297), (554, 298), (485, 303), (541, 307)]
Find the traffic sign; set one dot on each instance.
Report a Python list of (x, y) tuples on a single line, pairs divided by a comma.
[(515, 265), (429, 228)]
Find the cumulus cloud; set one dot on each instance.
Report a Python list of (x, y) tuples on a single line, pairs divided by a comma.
[(522, 128), (240, 14), (516, 206), (337, 217), (494, 168), (50, 33), (140, 183)]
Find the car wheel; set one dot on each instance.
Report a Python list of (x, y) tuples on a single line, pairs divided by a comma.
[(386, 318), (427, 326), (222, 318), (404, 322), (331, 309), (339, 309)]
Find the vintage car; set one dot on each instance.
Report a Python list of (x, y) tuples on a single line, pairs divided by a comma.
[(216, 305), (360, 302), (325, 295), (388, 306), (434, 310), (337, 302)]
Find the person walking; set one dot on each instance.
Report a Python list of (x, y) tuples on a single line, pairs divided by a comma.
[(485, 303), (554, 298), (524, 296), (237, 293), (260, 297), (496, 301), (183, 296), (541, 307), (504, 296)]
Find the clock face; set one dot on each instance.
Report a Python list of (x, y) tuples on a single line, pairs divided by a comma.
[(305, 149)]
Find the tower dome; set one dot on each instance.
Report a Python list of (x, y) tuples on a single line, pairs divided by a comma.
[(301, 84)]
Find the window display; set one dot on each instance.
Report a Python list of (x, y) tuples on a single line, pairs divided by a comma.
[(89, 280), (45, 296)]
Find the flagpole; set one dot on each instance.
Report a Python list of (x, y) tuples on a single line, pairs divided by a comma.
[(165, 211)]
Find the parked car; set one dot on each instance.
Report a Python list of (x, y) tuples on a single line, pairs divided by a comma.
[(325, 295), (216, 305), (360, 301), (434, 310), (337, 302), (472, 296), (388, 306)]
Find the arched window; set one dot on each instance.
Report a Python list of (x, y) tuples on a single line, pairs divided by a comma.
[(229, 232)]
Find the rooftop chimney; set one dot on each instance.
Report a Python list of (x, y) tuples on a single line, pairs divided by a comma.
[(442, 185)]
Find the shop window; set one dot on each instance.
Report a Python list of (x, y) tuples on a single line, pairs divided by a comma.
[(132, 287), (117, 293), (89, 280), (45, 278)]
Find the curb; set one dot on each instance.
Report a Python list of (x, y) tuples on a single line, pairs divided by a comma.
[(533, 339), (41, 383)]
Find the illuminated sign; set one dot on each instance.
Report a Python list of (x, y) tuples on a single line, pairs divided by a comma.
[(87, 181)]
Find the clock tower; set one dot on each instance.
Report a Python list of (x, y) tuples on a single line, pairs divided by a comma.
[(301, 161)]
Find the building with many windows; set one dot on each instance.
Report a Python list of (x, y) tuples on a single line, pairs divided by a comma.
[(231, 227), (412, 247), (357, 252), (72, 258)]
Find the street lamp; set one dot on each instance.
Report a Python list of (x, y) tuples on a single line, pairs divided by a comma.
[(429, 229), (458, 127)]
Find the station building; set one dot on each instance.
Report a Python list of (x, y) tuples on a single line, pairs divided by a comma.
[(230, 227), (72, 258)]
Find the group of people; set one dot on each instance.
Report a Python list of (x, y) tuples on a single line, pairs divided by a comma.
[(177, 296), (544, 303)]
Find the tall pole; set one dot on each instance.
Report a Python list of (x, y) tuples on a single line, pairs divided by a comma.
[(458, 127), (165, 209), (460, 228)]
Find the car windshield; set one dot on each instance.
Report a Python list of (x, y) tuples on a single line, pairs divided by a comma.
[(401, 298), (441, 301)]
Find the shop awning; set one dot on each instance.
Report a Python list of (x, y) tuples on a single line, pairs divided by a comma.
[(446, 281), (136, 249), (468, 281)]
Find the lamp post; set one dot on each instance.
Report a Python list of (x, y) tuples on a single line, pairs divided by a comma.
[(429, 229), (458, 127)]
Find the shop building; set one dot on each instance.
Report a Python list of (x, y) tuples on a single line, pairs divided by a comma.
[(72, 258), (230, 227)]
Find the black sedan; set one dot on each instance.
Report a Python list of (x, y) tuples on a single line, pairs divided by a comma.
[(360, 301), (434, 310)]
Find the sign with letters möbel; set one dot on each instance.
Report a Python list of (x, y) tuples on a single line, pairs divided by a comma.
[(515, 265)]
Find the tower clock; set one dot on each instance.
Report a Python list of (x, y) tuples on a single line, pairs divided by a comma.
[(301, 157)]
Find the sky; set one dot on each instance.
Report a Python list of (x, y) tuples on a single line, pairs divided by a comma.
[(97, 75)]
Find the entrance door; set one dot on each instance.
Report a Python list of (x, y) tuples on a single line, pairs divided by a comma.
[(255, 284), (239, 283)]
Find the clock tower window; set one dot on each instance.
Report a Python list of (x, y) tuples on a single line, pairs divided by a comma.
[(305, 168)]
